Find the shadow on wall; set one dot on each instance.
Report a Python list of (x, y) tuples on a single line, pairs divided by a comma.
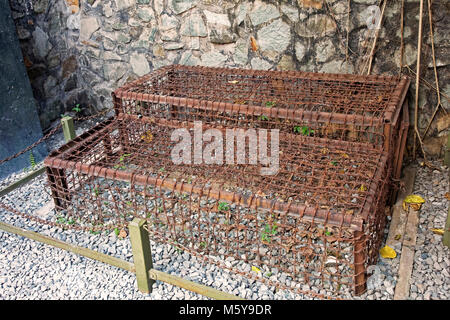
[(19, 122)]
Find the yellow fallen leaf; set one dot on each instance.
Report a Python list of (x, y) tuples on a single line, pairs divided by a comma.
[(147, 137), (344, 155), (414, 199), (438, 231), (405, 206), (233, 81), (397, 237), (257, 270), (363, 188), (388, 252)]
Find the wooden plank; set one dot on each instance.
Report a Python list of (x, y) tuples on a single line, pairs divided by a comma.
[(191, 286), (399, 216), (407, 256), (116, 262), (23, 180), (142, 256), (404, 223)]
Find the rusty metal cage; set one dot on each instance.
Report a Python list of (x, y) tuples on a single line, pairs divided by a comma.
[(319, 220), (335, 106)]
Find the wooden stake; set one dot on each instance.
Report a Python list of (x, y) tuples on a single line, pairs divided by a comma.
[(142, 256), (68, 129), (447, 152), (446, 237)]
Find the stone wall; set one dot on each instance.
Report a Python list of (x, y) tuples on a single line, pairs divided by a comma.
[(78, 52)]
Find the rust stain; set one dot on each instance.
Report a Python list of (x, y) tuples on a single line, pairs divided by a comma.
[(316, 4), (253, 43)]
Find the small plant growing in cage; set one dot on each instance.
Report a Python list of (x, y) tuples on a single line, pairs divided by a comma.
[(121, 164), (268, 232), (64, 221), (303, 130), (270, 104), (334, 163), (176, 247), (223, 206)]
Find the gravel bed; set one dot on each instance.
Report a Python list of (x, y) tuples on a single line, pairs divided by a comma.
[(32, 270), (431, 269)]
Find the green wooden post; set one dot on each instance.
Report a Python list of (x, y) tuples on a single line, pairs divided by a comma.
[(68, 129), (142, 256), (446, 237), (447, 152)]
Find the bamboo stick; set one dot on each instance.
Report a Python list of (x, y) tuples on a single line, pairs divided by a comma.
[(416, 106), (402, 13), (372, 51), (430, 18)]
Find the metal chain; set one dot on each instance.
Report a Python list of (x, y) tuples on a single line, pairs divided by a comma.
[(59, 225), (50, 133), (33, 145)]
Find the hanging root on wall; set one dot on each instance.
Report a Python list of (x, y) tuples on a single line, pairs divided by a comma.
[(430, 17)]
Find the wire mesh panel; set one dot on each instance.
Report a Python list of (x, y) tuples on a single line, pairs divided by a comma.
[(318, 220), (345, 107)]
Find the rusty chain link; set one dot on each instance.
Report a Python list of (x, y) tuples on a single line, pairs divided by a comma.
[(51, 133)]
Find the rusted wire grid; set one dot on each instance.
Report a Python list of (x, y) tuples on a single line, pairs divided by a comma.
[(183, 203), (344, 107), (69, 134)]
